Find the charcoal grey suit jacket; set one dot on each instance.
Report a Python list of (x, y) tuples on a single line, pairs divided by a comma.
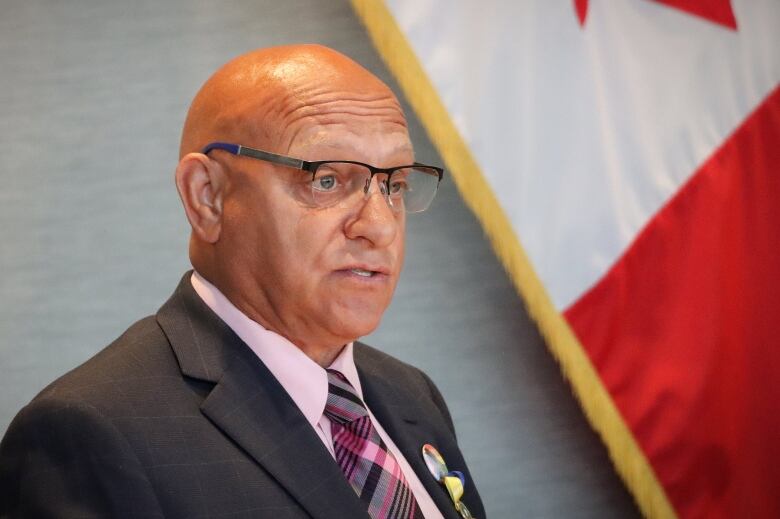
[(179, 418)]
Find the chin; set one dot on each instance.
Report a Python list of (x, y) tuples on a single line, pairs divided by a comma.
[(354, 317), (352, 329)]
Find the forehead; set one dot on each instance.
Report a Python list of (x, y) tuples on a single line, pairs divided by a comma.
[(373, 143), (371, 129)]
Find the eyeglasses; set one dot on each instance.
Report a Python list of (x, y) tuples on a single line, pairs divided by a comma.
[(405, 188)]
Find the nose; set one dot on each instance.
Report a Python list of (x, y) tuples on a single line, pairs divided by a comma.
[(375, 221)]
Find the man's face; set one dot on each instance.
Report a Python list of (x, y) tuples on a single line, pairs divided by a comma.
[(319, 276)]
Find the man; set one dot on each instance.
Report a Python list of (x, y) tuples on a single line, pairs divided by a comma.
[(247, 395)]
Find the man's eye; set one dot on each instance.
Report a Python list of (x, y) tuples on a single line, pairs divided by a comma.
[(398, 187), (325, 183)]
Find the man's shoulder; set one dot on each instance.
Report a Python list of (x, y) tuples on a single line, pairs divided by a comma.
[(138, 357), (366, 353), (376, 362)]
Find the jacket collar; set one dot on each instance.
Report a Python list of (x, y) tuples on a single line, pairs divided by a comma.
[(396, 409), (250, 406)]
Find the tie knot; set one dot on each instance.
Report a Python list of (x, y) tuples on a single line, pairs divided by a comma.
[(343, 405)]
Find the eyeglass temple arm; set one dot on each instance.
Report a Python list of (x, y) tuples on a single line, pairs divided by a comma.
[(237, 149)]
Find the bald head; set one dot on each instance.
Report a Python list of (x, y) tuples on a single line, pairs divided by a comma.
[(319, 276), (265, 97)]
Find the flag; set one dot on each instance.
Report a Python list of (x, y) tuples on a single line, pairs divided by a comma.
[(624, 158)]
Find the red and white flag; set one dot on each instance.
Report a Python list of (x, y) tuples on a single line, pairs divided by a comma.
[(624, 157)]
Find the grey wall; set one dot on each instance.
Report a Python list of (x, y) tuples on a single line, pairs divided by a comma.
[(92, 97)]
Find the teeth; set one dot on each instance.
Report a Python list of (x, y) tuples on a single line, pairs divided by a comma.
[(361, 272)]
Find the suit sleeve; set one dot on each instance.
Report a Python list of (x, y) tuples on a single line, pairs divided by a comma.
[(64, 459)]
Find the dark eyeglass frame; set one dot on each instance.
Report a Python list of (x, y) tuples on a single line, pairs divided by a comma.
[(305, 165)]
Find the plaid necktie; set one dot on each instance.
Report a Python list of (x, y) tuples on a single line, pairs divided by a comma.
[(369, 467)]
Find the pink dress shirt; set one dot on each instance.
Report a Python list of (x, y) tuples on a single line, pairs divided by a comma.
[(304, 380)]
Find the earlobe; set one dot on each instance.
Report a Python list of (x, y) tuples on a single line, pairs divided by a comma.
[(199, 182)]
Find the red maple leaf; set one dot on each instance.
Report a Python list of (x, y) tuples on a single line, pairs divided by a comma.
[(715, 11)]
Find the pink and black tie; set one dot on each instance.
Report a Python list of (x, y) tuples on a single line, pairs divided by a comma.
[(363, 457)]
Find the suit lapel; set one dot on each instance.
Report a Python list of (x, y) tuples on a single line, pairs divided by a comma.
[(406, 424), (250, 406)]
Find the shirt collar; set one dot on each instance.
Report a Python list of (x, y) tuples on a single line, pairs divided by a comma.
[(304, 380)]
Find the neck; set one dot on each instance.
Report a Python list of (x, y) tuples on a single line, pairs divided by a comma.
[(322, 353), (323, 357)]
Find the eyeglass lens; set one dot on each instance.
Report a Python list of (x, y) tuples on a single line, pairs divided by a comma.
[(409, 189)]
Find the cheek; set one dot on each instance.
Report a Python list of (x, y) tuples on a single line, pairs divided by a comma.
[(239, 235), (257, 233), (317, 240), (306, 247)]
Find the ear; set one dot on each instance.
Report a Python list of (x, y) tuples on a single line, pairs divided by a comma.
[(201, 182)]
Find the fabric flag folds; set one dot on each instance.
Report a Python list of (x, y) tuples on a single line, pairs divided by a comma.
[(624, 158)]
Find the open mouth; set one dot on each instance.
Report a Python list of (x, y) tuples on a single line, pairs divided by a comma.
[(363, 273)]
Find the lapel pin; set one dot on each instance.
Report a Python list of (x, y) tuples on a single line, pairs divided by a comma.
[(453, 481)]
